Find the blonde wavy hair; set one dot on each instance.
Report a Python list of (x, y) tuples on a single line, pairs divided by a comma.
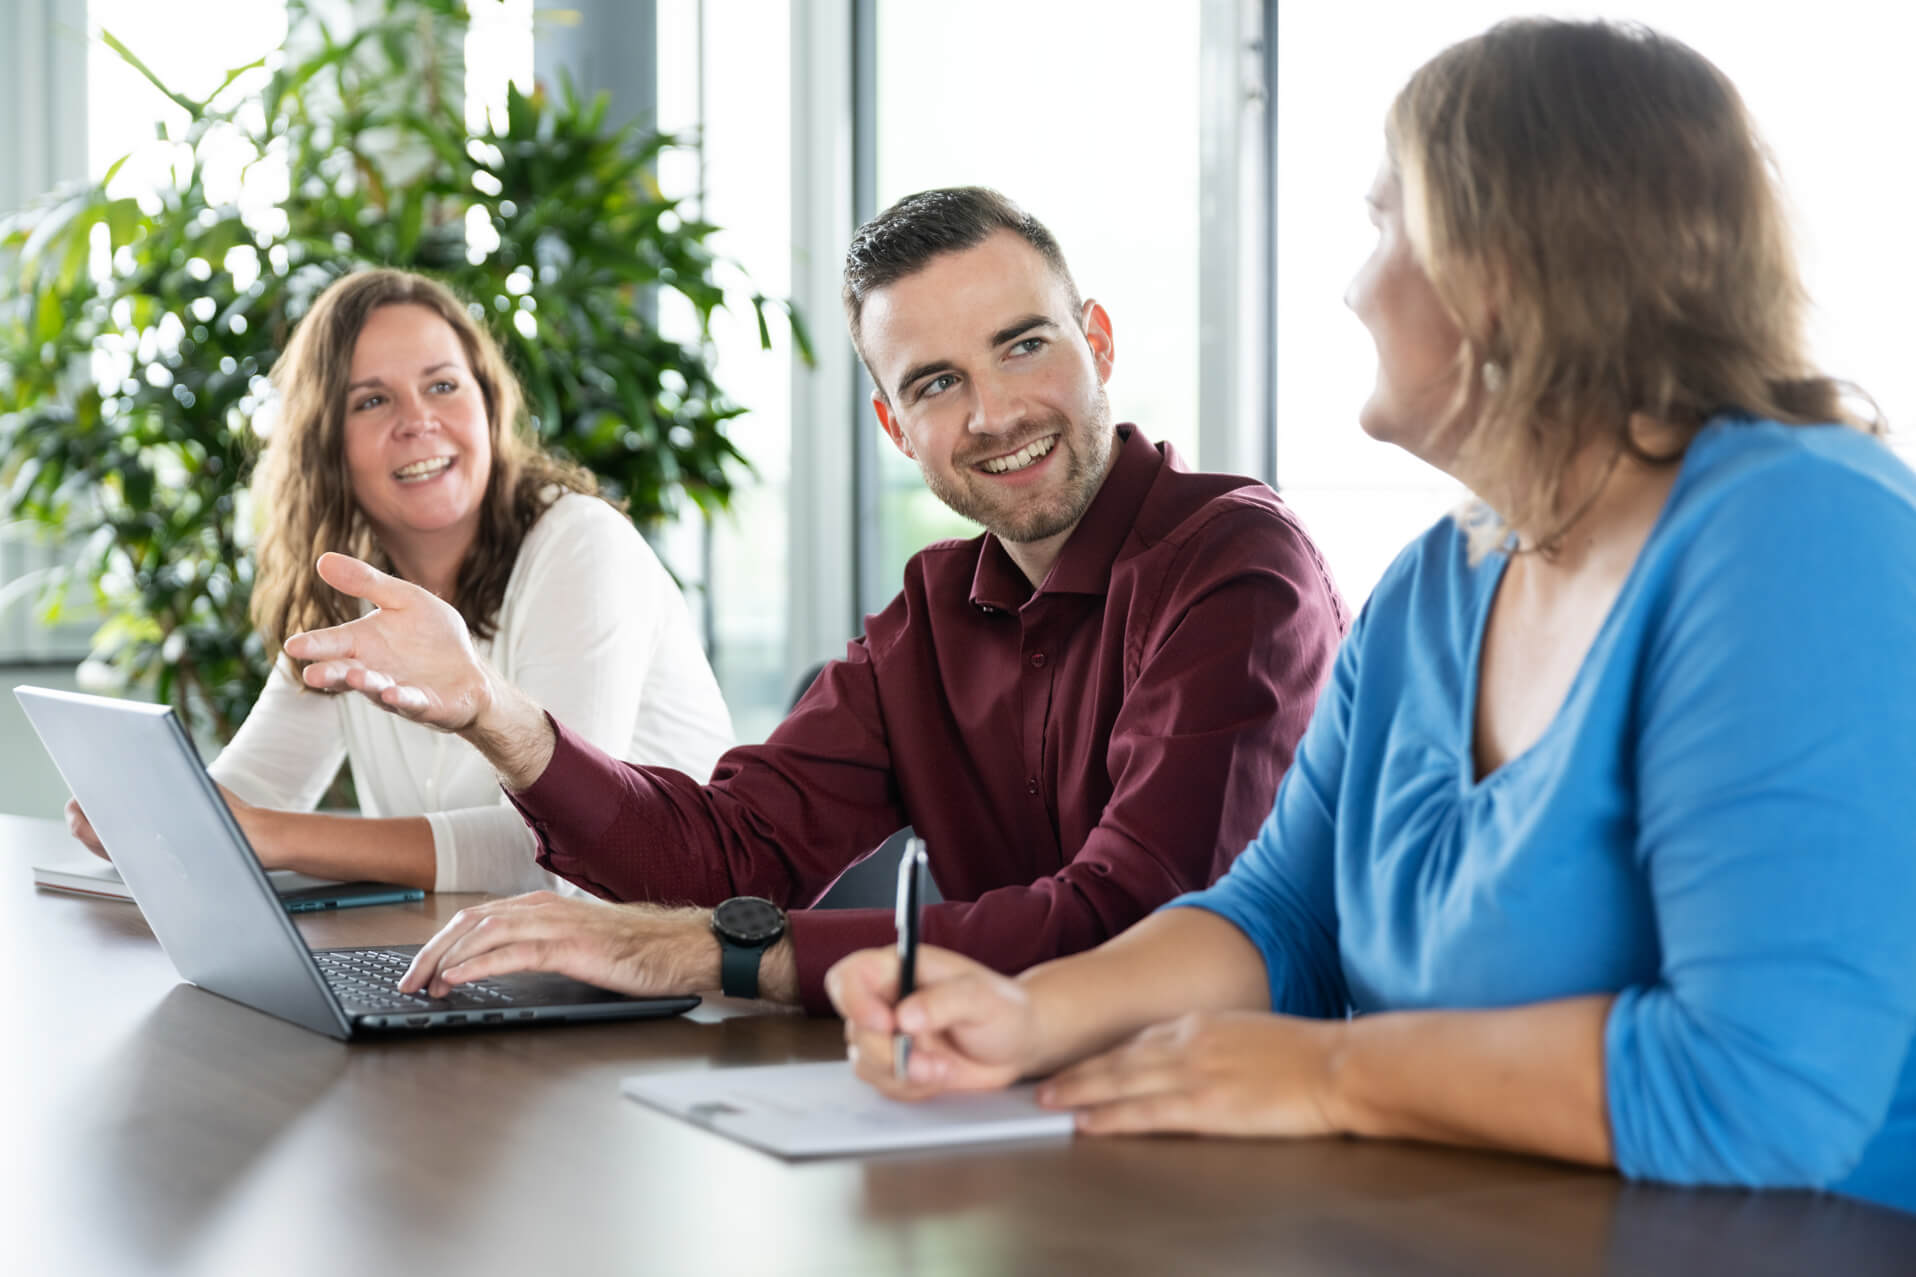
[(304, 491), (1592, 203)]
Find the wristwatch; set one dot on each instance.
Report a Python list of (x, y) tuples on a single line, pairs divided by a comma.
[(745, 927)]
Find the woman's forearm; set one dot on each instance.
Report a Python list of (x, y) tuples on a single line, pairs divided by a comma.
[(397, 850), (1175, 961), (1524, 1079)]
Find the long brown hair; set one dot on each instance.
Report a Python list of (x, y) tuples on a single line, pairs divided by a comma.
[(1593, 204), (303, 490)]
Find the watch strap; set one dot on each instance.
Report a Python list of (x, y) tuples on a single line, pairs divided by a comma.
[(738, 968)]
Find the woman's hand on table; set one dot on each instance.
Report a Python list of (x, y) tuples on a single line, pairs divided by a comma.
[(244, 812), (1209, 1073), (82, 828)]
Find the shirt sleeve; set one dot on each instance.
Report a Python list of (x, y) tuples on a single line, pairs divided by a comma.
[(1774, 763), (1281, 893), (1226, 676), (289, 748), (779, 820), (594, 615)]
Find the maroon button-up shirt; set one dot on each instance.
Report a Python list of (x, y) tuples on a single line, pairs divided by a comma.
[(1073, 756)]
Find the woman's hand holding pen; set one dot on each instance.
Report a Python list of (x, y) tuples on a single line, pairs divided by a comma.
[(971, 1028), (1223, 1073)]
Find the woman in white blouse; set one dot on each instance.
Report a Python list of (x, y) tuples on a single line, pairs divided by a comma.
[(402, 439)]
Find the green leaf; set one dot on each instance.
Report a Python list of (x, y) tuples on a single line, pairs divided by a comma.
[(412, 219), (231, 76), (50, 225), (192, 108)]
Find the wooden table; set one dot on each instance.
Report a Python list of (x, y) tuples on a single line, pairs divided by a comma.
[(149, 1127)]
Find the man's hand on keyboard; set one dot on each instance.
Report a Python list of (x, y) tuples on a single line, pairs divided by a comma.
[(644, 950)]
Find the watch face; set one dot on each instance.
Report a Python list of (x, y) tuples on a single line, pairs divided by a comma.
[(749, 920)]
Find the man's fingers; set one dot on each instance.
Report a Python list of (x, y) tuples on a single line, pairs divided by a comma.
[(364, 581), (425, 963), (409, 701), (336, 643), (514, 927), (504, 959), (369, 681)]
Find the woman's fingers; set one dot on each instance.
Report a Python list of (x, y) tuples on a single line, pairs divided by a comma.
[(82, 829), (1144, 1114), (862, 987), (1134, 1069)]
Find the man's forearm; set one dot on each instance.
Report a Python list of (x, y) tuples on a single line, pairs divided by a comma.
[(513, 734), (777, 967), (778, 974)]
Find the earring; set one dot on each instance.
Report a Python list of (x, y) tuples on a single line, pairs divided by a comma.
[(1493, 376)]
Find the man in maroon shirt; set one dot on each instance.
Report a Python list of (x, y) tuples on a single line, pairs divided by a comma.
[(1084, 712)]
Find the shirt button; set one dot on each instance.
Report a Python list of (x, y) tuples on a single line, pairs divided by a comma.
[(1031, 786), (1037, 660)]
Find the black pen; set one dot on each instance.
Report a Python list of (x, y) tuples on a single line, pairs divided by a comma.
[(911, 907)]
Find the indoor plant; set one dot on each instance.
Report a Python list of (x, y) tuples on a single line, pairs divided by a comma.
[(136, 331)]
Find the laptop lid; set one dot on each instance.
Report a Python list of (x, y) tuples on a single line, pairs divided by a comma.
[(192, 872)]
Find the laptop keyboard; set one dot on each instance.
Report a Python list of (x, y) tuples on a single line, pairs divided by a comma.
[(366, 980)]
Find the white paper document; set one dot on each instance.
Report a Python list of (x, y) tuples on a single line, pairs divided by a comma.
[(819, 1110)]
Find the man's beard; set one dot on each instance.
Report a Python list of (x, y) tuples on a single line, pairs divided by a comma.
[(1034, 519)]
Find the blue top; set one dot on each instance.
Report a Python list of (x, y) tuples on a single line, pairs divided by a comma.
[(1719, 826)]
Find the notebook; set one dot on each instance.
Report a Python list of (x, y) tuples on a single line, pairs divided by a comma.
[(823, 1110), (85, 875)]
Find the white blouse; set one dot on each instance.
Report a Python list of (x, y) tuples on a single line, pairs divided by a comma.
[(593, 628)]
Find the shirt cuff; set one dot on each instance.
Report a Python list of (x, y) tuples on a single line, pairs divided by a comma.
[(445, 853), (820, 937), (573, 800)]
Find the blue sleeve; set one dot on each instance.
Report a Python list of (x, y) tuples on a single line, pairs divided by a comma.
[(1776, 756), (1281, 891)]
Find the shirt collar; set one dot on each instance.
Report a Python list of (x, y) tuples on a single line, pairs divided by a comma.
[(1084, 565)]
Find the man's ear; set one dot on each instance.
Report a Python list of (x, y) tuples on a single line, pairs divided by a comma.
[(889, 422), (1097, 335)]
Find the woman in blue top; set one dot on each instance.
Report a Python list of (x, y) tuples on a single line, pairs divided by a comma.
[(1602, 841)]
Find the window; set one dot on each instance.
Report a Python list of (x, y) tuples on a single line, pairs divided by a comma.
[(1090, 123), (1820, 90), (715, 81)]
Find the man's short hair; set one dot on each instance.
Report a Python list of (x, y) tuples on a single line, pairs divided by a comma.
[(901, 240)]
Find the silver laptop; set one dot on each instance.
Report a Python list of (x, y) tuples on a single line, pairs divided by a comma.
[(191, 871)]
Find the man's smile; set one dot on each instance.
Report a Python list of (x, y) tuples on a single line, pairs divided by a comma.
[(1031, 452)]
